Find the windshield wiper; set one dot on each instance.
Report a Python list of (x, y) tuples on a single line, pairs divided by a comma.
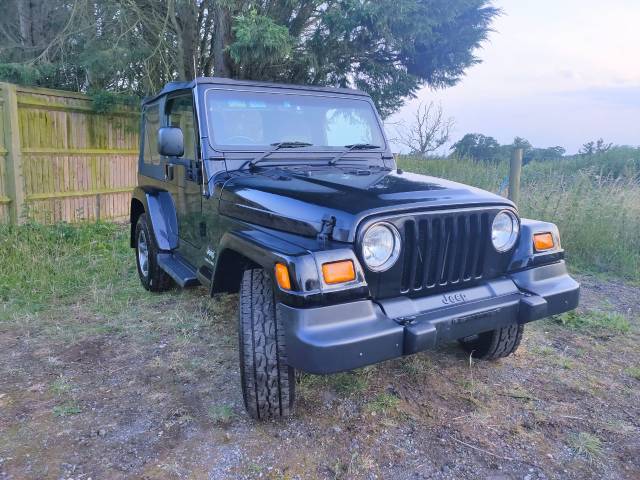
[(274, 148), (349, 148)]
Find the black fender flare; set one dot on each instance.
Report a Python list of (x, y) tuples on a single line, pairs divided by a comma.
[(161, 211), (262, 249)]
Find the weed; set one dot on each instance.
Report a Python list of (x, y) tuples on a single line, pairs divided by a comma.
[(60, 387), (383, 404), (543, 351), (633, 372), (586, 445), (221, 414), (346, 383), (595, 322), (349, 383), (416, 365), (66, 409)]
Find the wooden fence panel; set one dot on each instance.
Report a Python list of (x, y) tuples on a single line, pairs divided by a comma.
[(75, 164), (5, 201)]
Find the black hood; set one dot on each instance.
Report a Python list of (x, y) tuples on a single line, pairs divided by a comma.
[(298, 199)]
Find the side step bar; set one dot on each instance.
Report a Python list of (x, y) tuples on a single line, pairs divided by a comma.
[(181, 272)]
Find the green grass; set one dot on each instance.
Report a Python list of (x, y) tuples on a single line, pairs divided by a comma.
[(595, 322), (45, 265), (221, 414), (633, 372), (586, 445), (66, 410), (594, 200), (73, 281), (383, 404), (61, 386)]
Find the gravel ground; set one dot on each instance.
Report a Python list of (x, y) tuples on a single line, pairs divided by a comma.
[(155, 395)]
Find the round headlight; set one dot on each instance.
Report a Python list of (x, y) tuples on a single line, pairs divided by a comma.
[(380, 246), (504, 231)]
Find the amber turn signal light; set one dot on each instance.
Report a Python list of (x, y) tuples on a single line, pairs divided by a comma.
[(543, 241), (338, 272), (282, 276)]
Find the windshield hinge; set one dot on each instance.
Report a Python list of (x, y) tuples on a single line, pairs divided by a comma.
[(328, 223)]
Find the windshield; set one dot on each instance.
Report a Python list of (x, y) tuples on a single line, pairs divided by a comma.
[(242, 118)]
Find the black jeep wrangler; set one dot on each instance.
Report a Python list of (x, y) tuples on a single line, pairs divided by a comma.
[(290, 196)]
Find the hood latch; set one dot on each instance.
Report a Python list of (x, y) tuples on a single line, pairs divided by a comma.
[(328, 224)]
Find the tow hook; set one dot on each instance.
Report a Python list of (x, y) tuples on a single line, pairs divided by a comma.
[(406, 320)]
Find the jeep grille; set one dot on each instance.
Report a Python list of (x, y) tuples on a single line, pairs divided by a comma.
[(445, 249)]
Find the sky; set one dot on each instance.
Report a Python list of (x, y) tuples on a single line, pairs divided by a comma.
[(556, 72)]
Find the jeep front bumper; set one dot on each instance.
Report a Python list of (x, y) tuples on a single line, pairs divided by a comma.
[(342, 337)]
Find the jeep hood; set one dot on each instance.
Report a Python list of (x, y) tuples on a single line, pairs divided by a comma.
[(297, 201)]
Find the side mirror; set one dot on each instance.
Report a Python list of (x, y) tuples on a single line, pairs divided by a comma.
[(170, 142)]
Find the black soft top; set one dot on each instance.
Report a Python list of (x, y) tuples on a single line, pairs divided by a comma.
[(176, 86)]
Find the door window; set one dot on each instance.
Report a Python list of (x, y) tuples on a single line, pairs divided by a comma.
[(180, 114), (151, 125)]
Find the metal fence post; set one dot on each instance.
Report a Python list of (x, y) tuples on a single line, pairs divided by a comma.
[(515, 171)]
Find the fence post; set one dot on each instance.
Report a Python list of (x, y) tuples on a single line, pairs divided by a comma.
[(515, 170), (14, 178)]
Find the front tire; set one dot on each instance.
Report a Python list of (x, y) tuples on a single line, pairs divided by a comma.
[(268, 383), (152, 277), (495, 344)]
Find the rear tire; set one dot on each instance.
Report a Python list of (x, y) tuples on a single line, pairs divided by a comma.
[(268, 383), (495, 344), (152, 277)]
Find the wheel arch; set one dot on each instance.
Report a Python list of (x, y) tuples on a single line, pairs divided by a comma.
[(161, 210), (230, 267), (239, 250)]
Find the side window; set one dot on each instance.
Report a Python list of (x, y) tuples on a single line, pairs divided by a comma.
[(180, 114), (151, 126)]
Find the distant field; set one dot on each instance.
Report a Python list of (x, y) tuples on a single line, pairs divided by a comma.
[(594, 200)]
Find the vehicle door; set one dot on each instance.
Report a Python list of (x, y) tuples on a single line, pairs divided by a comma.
[(186, 182)]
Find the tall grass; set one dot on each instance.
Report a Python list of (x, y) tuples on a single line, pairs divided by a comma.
[(42, 265), (594, 200)]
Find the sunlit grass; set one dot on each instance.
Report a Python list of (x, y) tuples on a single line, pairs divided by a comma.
[(595, 201)]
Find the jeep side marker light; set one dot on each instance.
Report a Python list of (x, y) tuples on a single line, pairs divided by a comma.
[(543, 241), (338, 272), (282, 276)]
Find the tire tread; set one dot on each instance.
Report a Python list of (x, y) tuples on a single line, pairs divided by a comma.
[(267, 380)]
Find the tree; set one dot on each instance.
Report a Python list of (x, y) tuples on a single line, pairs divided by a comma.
[(522, 143), (478, 147), (428, 131), (592, 148), (545, 154), (389, 48)]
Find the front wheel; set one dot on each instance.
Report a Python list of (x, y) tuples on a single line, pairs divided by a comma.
[(268, 383), (152, 277), (495, 344)]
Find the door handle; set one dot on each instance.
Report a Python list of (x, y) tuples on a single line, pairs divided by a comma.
[(168, 171)]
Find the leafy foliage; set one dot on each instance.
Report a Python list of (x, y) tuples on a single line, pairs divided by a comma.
[(482, 148), (389, 48), (478, 147)]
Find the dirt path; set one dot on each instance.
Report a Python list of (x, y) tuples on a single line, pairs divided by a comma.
[(156, 395)]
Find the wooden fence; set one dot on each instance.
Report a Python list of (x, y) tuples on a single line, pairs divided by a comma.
[(62, 161)]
